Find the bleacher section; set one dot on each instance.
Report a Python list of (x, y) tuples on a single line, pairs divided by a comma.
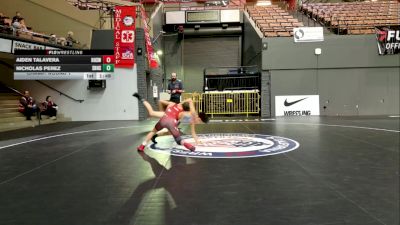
[(7, 28), (273, 21), (354, 17)]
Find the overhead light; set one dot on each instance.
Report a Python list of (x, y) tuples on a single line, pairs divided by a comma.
[(139, 51), (159, 52)]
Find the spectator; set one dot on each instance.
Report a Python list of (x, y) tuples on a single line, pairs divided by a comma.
[(27, 105), (53, 39), (17, 17), (175, 88), (70, 39), (49, 108), (18, 24), (2, 19)]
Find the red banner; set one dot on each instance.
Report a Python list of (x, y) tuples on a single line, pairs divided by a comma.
[(149, 48), (124, 36)]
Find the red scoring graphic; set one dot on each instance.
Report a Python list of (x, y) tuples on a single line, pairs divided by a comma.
[(108, 59)]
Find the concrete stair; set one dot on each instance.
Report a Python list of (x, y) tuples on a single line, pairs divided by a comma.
[(14, 123), (11, 119)]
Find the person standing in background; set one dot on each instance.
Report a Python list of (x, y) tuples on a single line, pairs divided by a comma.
[(175, 88)]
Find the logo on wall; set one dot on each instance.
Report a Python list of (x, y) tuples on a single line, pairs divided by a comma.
[(308, 34), (227, 145), (297, 105), (299, 34), (388, 40), (127, 52), (128, 21), (128, 36), (286, 103)]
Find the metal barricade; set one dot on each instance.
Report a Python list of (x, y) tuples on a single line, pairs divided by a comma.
[(197, 100), (226, 103)]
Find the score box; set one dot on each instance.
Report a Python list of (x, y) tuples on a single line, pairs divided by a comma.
[(108, 59), (107, 68), (98, 76)]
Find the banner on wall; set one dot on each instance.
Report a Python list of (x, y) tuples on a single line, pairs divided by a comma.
[(149, 47), (388, 40), (124, 36), (297, 105), (20, 45), (308, 34)]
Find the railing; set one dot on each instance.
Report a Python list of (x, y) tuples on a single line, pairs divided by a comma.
[(349, 26), (11, 89), (33, 36), (226, 103), (61, 93)]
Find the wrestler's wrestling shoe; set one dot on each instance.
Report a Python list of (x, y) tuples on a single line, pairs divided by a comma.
[(140, 148), (153, 139), (189, 146), (136, 95)]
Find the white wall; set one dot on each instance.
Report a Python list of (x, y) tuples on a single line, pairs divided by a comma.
[(115, 102)]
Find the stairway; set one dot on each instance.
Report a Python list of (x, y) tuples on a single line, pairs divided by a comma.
[(11, 119)]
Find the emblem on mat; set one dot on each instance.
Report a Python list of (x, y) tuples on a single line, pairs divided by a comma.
[(227, 145)]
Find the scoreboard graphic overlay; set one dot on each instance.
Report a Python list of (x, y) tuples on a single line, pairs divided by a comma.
[(64, 64)]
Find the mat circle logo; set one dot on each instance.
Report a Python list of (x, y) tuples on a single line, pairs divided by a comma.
[(227, 145)]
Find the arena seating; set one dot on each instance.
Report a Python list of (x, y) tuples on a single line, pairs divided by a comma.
[(29, 34), (354, 17), (273, 21)]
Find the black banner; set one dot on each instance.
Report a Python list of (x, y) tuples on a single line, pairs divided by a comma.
[(64, 52), (388, 40)]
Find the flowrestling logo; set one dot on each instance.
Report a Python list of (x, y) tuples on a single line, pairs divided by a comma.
[(227, 145)]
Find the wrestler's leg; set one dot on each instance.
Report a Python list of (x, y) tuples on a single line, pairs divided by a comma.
[(148, 107), (141, 147), (173, 129), (156, 128)]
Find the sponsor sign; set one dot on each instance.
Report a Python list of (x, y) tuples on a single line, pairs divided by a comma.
[(308, 34), (297, 105), (5, 45), (124, 36), (388, 40), (227, 145), (20, 45)]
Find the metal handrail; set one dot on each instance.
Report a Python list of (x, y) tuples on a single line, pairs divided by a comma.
[(11, 89), (61, 93)]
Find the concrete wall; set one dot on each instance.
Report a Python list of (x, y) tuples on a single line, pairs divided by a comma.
[(350, 77), (251, 46), (54, 16), (252, 49)]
